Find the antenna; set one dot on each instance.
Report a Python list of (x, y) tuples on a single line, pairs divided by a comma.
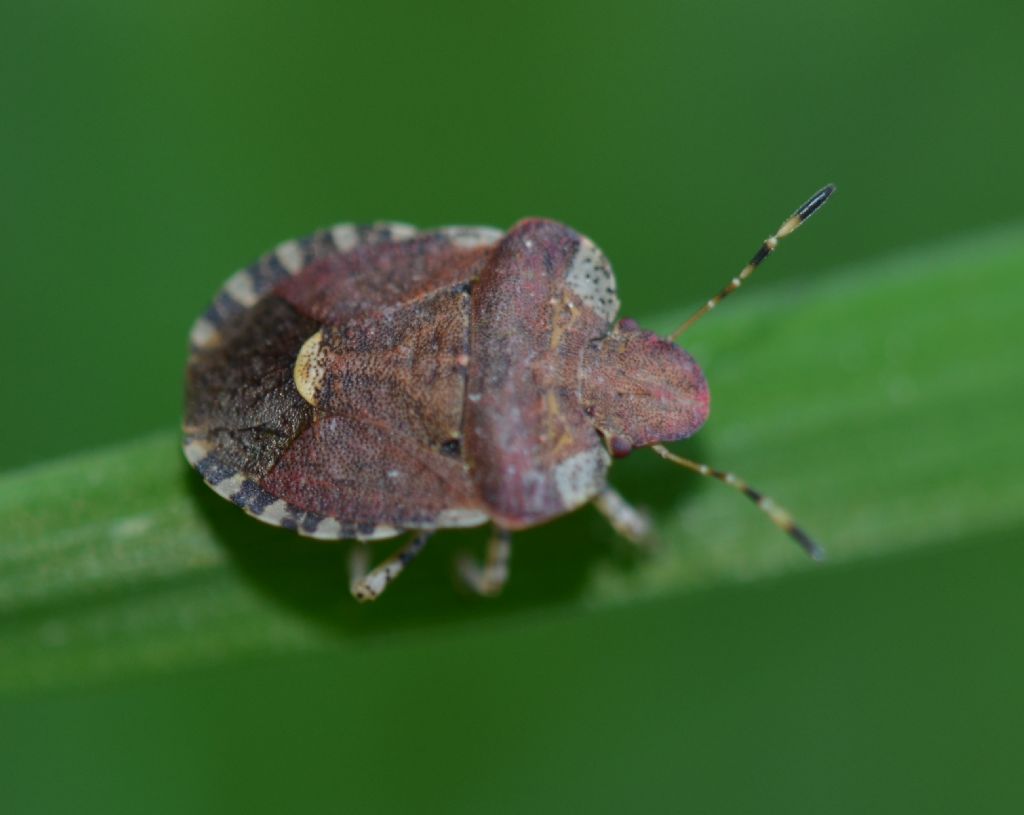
[(782, 519), (789, 226)]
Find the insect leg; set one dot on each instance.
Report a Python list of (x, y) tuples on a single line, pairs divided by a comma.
[(489, 579), (369, 585), (632, 523), (782, 519)]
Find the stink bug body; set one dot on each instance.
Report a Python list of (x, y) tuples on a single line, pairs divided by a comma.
[(366, 381)]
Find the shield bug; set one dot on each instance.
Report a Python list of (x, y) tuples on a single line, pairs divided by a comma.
[(368, 381)]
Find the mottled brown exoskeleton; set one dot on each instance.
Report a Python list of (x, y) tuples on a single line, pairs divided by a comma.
[(367, 381)]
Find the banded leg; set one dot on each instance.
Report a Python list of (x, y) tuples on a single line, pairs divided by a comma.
[(369, 585), (488, 579), (782, 519), (632, 523)]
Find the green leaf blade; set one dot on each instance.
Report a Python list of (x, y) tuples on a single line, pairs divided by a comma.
[(881, 405)]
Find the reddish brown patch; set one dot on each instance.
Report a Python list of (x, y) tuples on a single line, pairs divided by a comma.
[(641, 389), (365, 472), (369, 277), (523, 412), (388, 410)]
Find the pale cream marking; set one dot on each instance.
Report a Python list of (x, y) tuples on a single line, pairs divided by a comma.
[(625, 519), (581, 476), (328, 530), (590, 277), (781, 518), (369, 586), (309, 370), (290, 255), (344, 237), (195, 451), (788, 227), (399, 231), (275, 513), (460, 518), (229, 486), (372, 585), (204, 334), (470, 237), (240, 287), (379, 532), (489, 578)]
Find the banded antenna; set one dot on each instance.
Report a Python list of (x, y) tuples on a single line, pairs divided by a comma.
[(780, 517), (789, 226)]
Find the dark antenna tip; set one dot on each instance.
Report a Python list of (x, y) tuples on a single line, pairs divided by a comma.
[(814, 203), (778, 516), (809, 546), (788, 227)]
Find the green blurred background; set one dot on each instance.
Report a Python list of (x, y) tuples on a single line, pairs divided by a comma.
[(147, 150)]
